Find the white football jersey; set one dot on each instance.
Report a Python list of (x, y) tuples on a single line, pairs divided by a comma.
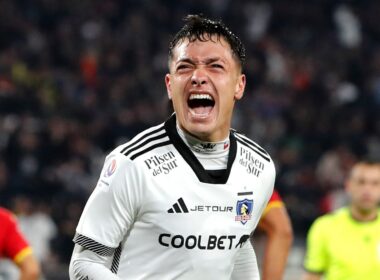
[(161, 215)]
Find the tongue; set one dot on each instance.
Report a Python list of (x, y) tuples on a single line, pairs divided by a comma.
[(202, 110)]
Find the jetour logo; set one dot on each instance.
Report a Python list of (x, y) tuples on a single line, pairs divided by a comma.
[(244, 210)]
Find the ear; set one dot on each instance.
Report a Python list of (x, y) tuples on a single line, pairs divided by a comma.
[(240, 86), (168, 86)]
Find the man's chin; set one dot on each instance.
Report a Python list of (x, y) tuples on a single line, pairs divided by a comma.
[(367, 208), (201, 130)]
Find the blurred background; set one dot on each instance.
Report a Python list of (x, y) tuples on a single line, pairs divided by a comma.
[(78, 78)]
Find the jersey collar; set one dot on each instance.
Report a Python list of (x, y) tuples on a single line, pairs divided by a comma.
[(190, 158), (204, 147)]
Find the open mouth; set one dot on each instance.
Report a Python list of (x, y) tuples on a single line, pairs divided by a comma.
[(201, 104)]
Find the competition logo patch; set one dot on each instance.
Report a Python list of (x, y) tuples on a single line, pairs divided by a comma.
[(111, 167), (244, 210), (226, 145)]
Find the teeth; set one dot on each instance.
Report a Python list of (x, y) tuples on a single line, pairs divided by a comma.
[(200, 96)]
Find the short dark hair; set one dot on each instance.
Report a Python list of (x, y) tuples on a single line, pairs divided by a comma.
[(202, 29)]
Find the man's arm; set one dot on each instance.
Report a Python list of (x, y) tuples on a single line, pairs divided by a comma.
[(316, 258), (312, 276), (86, 264), (29, 268), (17, 249), (108, 214), (277, 226)]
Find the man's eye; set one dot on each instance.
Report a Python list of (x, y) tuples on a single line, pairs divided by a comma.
[(216, 65), (182, 66)]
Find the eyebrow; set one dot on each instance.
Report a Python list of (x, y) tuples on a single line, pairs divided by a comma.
[(206, 61)]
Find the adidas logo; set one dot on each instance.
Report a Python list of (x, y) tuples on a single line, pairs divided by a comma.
[(179, 207)]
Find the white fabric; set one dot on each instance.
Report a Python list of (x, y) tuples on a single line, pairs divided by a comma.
[(246, 264), (85, 263), (134, 204), (212, 155)]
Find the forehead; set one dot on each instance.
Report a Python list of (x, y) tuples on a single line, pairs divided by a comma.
[(366, 171), (199, 50)]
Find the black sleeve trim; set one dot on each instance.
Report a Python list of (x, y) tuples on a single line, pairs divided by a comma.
[(116, 259), (93, 246)]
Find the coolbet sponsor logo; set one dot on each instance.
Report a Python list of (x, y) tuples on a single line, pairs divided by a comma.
[(201, 242), (161, 164), (244, 210), (252, 164)]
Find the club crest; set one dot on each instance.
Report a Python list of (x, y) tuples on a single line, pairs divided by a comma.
[(244, 210)]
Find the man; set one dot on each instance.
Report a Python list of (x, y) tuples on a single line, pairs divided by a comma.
[(346, 243), (14, 247), (276, 225), (168, 203)]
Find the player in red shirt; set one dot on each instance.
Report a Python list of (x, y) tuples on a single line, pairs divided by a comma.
[(276, 224), (14, 246)]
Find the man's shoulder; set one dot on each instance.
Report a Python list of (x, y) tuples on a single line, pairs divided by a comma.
[(143, 142), (332, 218), (7, 219), (251, 145), (6, 215)]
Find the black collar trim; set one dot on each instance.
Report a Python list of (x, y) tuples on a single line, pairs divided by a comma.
[(190, 158)]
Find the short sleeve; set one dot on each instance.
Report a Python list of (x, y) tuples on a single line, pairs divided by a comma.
[(275, 201), (111, 209), (15, 245), (316, 248)]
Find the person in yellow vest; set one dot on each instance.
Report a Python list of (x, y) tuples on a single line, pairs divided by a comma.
[(345, 244)]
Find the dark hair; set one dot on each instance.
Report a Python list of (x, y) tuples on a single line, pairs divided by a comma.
[(201, 28)]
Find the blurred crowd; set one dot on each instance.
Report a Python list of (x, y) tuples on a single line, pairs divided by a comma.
[(78, 78)]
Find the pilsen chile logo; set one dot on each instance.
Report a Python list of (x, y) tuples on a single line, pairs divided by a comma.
[(244, 210)]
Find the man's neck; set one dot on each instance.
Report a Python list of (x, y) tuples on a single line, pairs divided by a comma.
[(363, 216), (201, 146)]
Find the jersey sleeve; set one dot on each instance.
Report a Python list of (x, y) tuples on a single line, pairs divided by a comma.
[(275, 201), (111, 208), (15, 245), (316, 258)]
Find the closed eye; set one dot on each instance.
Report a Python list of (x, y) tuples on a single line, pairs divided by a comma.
[(183, 67), (217, 65)]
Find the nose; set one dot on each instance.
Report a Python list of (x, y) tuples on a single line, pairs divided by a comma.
[(199, 77)]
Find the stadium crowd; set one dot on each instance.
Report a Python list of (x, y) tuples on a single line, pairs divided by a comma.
[(78, 78)]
